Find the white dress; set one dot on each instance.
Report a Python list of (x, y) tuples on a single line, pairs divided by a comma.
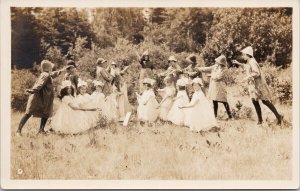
[(177, 115), (165, 107), (98, 100), (148, 112), (86, 101), (69, 121), (123, 104), (111, 104), (200, 116)]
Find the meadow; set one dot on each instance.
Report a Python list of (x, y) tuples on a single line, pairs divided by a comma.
[(238, 150)]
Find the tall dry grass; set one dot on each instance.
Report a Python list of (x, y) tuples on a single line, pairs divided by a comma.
[(240, 150)]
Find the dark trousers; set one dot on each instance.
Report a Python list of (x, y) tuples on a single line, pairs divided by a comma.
[(269, 105), (25, 119), (226, 105)]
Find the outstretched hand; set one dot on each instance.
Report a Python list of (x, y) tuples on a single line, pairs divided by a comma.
[(28, 91)]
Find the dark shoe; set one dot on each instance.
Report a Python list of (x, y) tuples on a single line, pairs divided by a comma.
[(279, 120), (259, 122), (42, 132)]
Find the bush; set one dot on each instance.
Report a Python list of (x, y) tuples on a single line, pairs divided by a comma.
[(280, 83), (21, 80), (269, 31), (241, 112)]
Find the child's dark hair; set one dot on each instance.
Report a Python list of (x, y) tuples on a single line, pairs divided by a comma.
[(148, 85), (181, 88), (64, 92)]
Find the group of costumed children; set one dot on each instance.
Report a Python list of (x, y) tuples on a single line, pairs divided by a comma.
[(183, 100)]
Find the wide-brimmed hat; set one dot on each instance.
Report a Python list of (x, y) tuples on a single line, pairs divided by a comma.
[(113, 63), (197, 81), (81, 83), (100, 61), (98, 83), (248, 50), (221, 60), (149, 81), (172, 58), (191, 58), (65, 83), (46, 65)]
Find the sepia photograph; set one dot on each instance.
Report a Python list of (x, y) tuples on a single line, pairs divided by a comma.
[(148, 93)]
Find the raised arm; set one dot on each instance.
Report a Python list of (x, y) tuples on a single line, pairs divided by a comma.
[(106, 75), (41, 81), (205, 69)]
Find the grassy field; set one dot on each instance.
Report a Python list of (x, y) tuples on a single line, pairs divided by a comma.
[(240, 150)]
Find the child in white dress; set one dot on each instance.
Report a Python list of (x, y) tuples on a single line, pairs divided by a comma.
[(199, 114), (166, 103), (176, 115), (147, 110), (70, 118), (84, 99), (98, 98), (112, 105)]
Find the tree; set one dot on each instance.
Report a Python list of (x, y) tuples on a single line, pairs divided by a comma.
[(269, 31), (25, 39)]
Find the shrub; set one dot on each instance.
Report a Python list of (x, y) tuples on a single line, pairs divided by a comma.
[(269, 31), (280, 83), (54, 55), (21, 80), (241, 112)]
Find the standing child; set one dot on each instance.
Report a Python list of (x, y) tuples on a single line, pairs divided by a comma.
[(71, 75), (40, 102), (199, 114), (147, 109), (112, 105), (257, 85), (70, 118), (176, 115), (166, 103), (217, 90), (122, 98), (98, 98)]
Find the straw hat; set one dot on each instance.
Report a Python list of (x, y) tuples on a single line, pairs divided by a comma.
[(81, 83), (100, 61), (198, 81), (98, 83), (113, 63), (248, 50), (172, 58), (46, 65), (65, 83), (221, 60)]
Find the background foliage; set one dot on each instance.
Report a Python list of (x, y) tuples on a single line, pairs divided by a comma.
[(59, 34)]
